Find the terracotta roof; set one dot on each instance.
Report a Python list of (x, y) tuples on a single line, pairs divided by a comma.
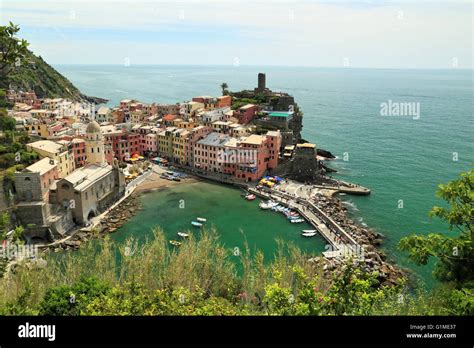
[(169, 117)]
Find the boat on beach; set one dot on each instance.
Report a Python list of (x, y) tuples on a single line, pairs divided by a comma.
[(200, 219), (195, 223), (183, 235), (175, 243)]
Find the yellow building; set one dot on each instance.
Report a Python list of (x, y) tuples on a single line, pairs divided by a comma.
[(165, 142), (62, 154), (39, 129), (180, 123), (180, 143)]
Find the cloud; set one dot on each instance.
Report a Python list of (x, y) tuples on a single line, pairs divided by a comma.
[(403, 34)]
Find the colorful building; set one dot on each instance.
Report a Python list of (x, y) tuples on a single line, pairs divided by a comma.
[(62, 154), (79, 149), (224, 101), (246, 113)]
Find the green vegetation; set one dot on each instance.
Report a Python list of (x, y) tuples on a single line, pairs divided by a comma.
[(13, 152), (455, 255), (5, 225), (12, 49), (199, 278), (224, 87), (22, 70)]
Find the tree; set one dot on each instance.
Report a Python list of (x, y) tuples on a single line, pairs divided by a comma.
[(455, 254), (7, 123), (224, 87), (12, 49), (4, 225)]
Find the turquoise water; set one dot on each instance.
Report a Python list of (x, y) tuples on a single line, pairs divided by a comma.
[(237, 220), (398, 158)]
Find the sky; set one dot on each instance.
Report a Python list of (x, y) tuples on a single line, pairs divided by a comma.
[(361, 34)]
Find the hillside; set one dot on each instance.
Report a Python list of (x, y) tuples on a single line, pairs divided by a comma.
[(47, 82)]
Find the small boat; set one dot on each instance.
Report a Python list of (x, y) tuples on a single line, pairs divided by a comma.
[(201, 219), (308, 234), (309, 231), (197, 224), (183, 235), (264, 206), (175, 243), (250, 197), (175, 178), (296, 221)]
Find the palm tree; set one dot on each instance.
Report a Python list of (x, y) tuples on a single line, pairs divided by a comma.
[(224, 87)]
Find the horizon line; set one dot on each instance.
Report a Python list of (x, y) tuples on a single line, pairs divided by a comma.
[(253, 65)]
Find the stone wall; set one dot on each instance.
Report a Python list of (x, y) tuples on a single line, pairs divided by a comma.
[(32, 213), (28, 187)]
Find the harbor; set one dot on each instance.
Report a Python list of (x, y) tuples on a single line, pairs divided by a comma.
[(339, 240)]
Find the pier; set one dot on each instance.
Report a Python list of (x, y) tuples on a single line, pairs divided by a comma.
[(346, 188), (334, 234)]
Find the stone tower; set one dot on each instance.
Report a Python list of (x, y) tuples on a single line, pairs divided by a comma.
[(261, 83), (95, 150)]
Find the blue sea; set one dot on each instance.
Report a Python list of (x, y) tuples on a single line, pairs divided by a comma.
[(402, 159)]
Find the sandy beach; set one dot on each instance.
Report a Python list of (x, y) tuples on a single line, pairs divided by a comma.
[(154, 181)]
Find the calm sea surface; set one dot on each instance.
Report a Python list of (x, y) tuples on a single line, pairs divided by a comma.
[(401, 159)]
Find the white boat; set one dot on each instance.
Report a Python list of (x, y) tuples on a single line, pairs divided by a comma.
[(197, 224), (296, 221), (309, 231), (309, 234), (201, 219), (264, 206), (183, 235)]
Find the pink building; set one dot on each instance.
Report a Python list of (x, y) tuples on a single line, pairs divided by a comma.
[(54, 128), (208, 152), (148, 144), (224, 101), (246, 113), (195, 135), (79, 149), (252, 157)]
